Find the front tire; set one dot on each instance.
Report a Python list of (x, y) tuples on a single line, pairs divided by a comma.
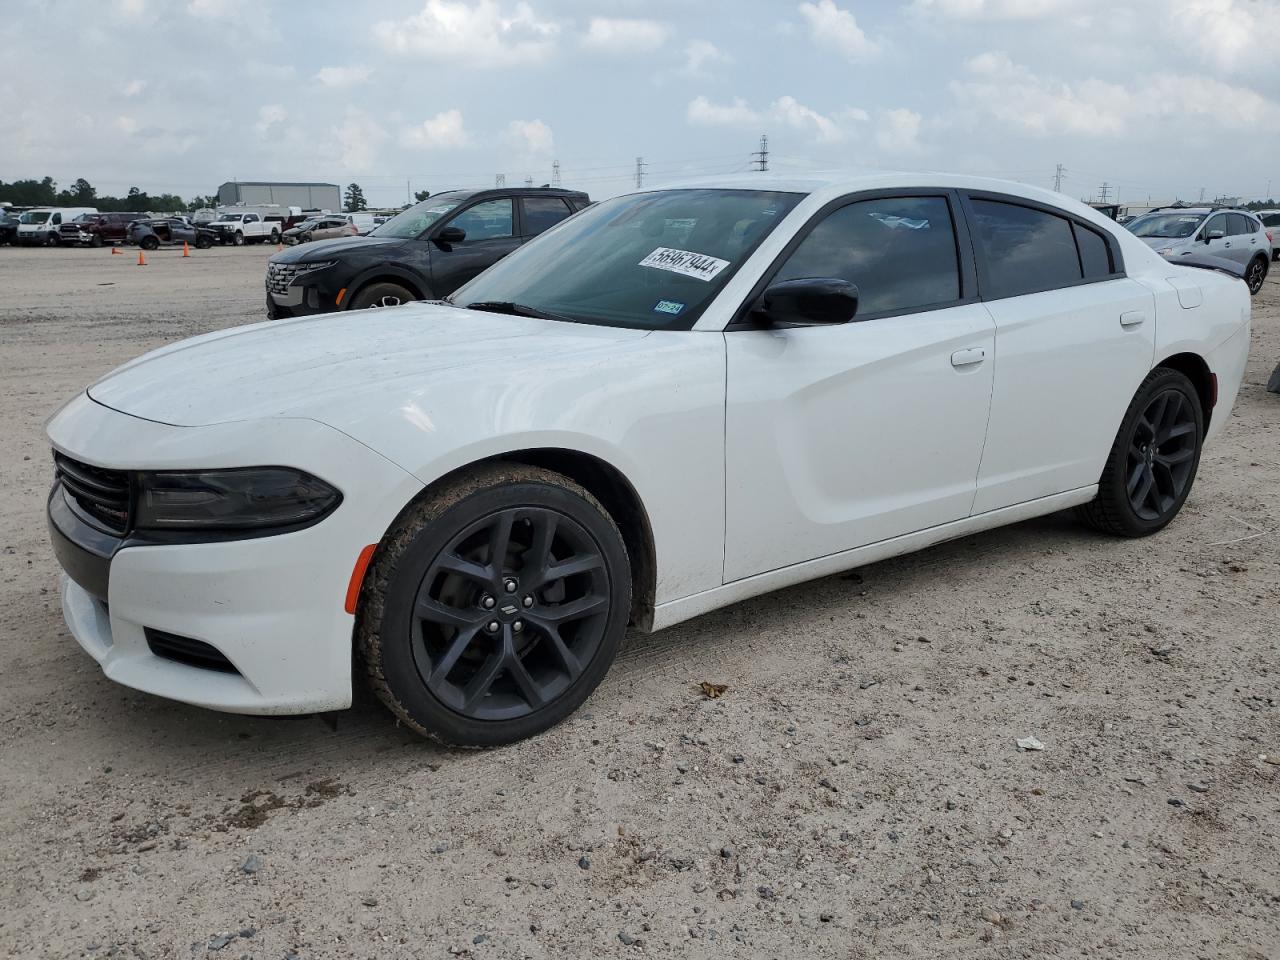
[(238, 239), (1256, 274), (495, 607), (95, 240), (1153, 461), (381, 294)]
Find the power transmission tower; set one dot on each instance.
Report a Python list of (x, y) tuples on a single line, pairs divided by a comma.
[(762, 155), (528, 180), (1103, 191), (555, 173), (500, 180), (1058, 174), (1202, 194), (640, 165)]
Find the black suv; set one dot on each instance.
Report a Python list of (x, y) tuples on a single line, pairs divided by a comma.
[(423, 253)]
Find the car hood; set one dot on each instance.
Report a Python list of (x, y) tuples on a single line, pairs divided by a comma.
[(326, 367), (1159, 243), (318, 250)]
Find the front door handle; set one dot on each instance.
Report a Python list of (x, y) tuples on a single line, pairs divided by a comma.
[(1132, 318), (967, 358)]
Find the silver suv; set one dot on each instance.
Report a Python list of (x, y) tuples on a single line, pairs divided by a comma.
[(1237, 235)]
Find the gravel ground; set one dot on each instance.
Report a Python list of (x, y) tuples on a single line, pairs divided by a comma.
[(856, 792)]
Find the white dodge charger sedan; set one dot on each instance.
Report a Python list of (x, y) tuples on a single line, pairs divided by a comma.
[(673, 400)]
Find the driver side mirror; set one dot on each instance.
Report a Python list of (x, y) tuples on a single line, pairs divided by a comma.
[(808, 302), (1214, 235), (451, 235)]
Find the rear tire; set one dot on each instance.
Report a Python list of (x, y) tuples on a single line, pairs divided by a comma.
[(1153, 461), (464, 628), (149, 243), (382, 294), (1256, 274)]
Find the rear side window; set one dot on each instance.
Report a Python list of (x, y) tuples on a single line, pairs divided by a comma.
[(542, 213), (1026, 250), (1239, 225), (1095, 258), (899, 251)]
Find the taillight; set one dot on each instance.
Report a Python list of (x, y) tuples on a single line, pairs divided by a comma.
[(1270, 239)]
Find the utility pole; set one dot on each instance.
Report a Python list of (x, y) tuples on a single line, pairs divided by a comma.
[(1103, 191), (762, 155), (640, 165), (1202, 194), (500, 180), (555, 173), (1058, 174), (528, 180)]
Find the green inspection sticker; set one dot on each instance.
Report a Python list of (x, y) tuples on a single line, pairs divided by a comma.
[(668, 306)]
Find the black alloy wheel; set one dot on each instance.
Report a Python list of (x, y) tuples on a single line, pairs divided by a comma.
[(495, 606), (1153, 461), (1256, 274), (381, 294)]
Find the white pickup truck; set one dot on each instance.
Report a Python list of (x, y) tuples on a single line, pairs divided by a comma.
[(239, 228)]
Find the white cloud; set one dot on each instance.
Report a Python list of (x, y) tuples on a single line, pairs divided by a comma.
[(800, 117), (358, 138), (703, 113), (131, 8), (270, 115), (127, 125), (1224, 33), (785, 110), (702, 53), (831, 26), (995, 9), (214, 9), (134, 87), (444, 131), (483, 34), (1012, 94), (624, 36), (339, 77), (898, 131), (531, 138)]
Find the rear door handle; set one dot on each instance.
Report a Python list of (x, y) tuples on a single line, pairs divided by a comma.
[(967, 358), (1132, 318)]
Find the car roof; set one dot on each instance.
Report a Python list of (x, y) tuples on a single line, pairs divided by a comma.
[(510, 192)]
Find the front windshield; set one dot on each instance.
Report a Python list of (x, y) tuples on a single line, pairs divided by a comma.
[(412, 223), (1167, 226), (649, 260), (233, 216), (35, 216)]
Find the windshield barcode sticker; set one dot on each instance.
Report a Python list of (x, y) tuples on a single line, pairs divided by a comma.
[(685, 262)]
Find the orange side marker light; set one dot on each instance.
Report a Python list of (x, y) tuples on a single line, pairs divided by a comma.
[(341, 293), (357, 576)]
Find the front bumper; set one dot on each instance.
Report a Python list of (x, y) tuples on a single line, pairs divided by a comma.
[(273, 606)]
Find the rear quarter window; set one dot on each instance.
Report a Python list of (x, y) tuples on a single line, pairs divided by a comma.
[(1095, 258)]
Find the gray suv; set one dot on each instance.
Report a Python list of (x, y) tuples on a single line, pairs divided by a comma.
[(1236, 235)]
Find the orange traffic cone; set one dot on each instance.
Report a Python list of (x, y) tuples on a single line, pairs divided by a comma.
[(115, 250), (142, 259), (186, 251)]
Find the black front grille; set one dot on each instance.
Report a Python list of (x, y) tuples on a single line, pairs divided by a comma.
[(192, 652), (279, 276), (101, 495)]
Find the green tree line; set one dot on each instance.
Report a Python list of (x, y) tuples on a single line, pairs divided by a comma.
[(45, 193)]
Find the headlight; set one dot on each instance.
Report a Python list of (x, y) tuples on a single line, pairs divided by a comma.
[(1165, 251), (247, 498), (315, 265)]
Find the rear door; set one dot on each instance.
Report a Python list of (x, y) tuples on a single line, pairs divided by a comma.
[(490, 235), (1242, 237), (1074, 338)]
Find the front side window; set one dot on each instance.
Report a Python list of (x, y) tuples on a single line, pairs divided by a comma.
[(542, 213), (900, 252), (414, 222), (57, 218), (651, 261), (1026, 250), (1218, 225), (490, 220)]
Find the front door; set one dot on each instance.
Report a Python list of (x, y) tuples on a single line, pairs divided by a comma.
[(490, 236), (841, 436)]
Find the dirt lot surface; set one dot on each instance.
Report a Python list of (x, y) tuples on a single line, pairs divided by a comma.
[(855, 793)]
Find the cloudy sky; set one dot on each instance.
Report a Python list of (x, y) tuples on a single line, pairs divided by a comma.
[(1159, 98)]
